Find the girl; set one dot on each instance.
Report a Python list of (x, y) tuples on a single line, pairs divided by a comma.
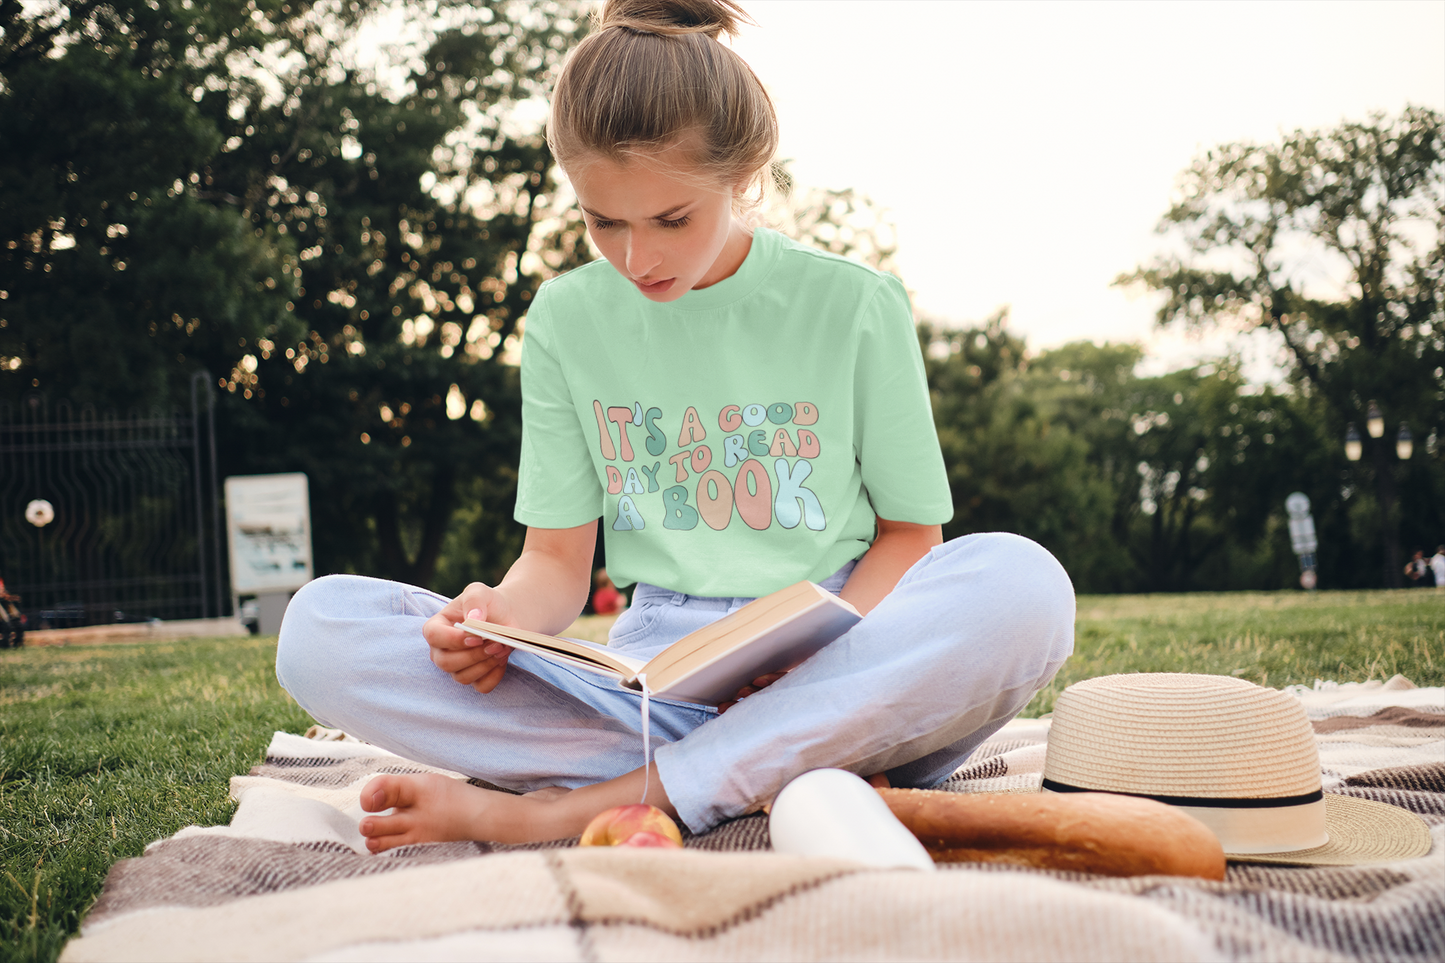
[(742, 412)]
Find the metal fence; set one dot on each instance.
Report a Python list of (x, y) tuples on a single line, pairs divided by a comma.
[(132, 502)]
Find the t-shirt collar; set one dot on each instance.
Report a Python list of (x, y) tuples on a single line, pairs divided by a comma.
[(762, 255)]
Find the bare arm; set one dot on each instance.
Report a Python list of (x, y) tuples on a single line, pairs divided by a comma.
[(544, 590), (893, 552), (547, 586)]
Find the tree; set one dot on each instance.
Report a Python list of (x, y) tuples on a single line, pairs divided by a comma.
[(1335, 241), (348, 247), (425, 217), (1140, 484), (1019, 439), (116, 279)]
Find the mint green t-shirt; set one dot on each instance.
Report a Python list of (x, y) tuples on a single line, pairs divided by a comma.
[(739, 439)]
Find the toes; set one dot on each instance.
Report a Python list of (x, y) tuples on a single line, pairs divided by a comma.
[(378, 827), (380, 844), (388, 792)]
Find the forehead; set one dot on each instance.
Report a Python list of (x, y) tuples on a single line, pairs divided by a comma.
[(643, 178)]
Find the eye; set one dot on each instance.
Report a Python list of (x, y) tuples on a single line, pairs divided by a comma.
[(680, 222), (599, 224)]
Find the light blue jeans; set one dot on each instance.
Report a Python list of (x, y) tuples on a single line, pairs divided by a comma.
[(963, 642)]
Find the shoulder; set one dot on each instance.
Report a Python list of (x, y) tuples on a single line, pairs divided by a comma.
[(831, 284), (799, 259), (588, 281), (576, 298)]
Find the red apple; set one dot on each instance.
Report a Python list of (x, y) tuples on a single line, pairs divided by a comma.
[(650, 840), (620, 825)]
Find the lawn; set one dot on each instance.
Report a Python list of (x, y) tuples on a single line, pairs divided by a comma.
[(106, 747)]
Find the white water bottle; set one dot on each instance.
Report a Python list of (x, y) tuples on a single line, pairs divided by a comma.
[(829, 812)]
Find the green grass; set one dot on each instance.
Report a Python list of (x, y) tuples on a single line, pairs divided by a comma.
[(1272, 638), (104, 748)]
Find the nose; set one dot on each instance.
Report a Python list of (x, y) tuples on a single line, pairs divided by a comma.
[(642, 255)]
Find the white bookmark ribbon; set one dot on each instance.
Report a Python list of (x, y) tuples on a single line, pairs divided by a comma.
[(646, 735)]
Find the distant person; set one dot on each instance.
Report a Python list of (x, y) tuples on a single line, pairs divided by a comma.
[(743, 412), (606, 600), (12, 622), (1416, 569), (1437, 568)]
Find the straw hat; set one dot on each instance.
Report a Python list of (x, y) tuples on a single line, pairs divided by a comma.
[(1238, 757)]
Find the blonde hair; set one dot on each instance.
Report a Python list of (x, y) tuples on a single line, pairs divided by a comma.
[(654, 74)]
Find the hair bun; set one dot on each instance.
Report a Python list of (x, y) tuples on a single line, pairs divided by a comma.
[(672, 17)]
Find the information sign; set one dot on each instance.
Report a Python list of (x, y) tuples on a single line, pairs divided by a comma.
[(268, 519)]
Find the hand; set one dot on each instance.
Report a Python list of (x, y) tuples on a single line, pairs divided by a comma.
[(469, 659), (761, 682)]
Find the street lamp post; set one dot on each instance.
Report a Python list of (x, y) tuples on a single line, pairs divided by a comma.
[(1385, 479), (1404, 443)]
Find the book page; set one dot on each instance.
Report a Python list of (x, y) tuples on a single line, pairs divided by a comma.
[(714, 675), (739, 625), (587, 655)]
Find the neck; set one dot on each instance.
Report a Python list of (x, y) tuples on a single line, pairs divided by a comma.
[(734, 253)]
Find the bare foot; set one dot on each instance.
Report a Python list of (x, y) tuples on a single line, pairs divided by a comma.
[(431, 809)]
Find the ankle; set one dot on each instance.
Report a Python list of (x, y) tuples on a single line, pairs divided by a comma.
[(565, 815)]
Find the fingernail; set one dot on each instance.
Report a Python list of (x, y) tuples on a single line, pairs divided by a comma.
[(496, 648), (476, 614)]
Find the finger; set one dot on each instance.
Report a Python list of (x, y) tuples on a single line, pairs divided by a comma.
[(476, 673), (491, 680), (726, 706), (441, 632), (488, 646), (472, 598), (763, 681), (479, 601), (472, 640), (452, 662), (460, 658)]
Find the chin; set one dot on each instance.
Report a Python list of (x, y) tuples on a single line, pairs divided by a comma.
[(667, 297), (673, 292)]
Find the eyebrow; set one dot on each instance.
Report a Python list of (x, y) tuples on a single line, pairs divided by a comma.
[(656, 217)]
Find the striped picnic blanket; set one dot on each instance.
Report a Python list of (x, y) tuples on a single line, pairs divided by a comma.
[(289, 879)]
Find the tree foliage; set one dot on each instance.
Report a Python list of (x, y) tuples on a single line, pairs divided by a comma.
[(116, 279), (1334, 240), (348, 249), (1172, 482)]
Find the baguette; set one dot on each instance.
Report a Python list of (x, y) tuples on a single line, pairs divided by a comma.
[(1090, 832)]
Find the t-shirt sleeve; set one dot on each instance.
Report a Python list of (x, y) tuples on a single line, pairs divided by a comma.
[(895, 439), (557, 485)]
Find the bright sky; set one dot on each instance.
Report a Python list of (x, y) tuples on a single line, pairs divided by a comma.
[(1026, 151)]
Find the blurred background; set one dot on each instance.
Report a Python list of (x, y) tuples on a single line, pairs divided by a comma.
[(1171, 264)]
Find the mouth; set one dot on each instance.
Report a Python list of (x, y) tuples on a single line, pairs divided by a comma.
[(654, 287)]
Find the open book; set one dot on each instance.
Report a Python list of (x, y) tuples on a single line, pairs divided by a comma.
[(708, 666)]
